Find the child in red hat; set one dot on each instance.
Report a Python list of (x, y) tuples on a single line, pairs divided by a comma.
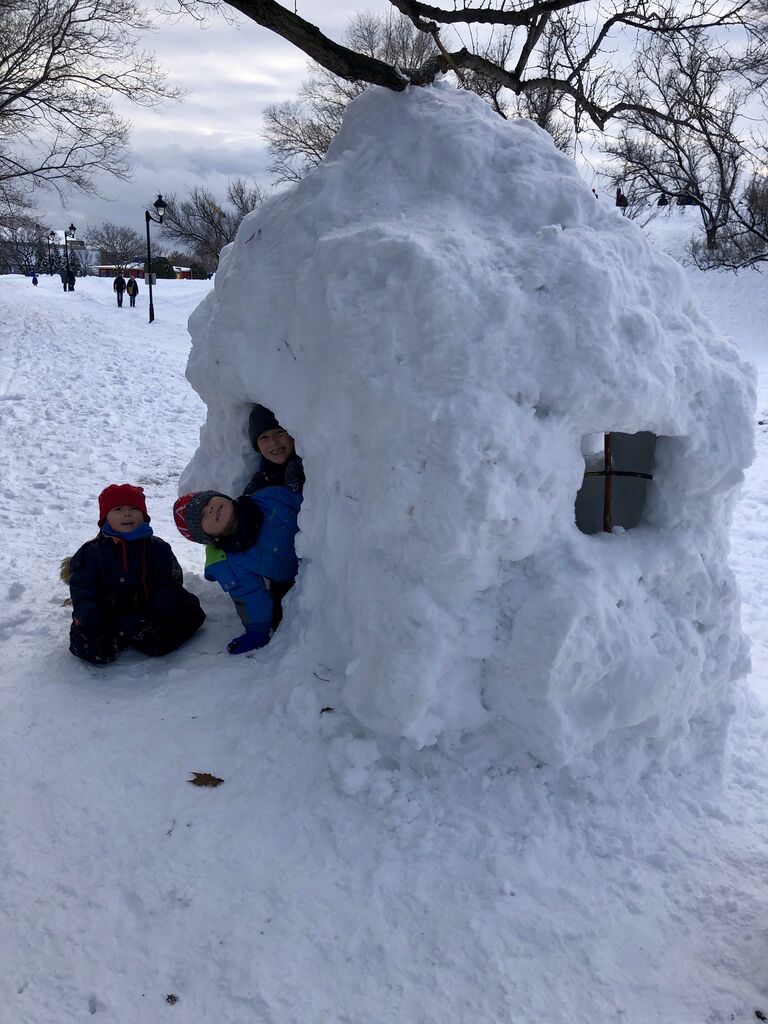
[(126, 585)]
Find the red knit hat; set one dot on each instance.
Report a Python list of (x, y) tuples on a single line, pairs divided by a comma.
[(121, 494)]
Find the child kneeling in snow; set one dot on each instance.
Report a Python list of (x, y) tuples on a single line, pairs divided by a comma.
[(126, 585), (249, 552)]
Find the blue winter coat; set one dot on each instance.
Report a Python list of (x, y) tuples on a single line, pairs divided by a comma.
[(245, 575)]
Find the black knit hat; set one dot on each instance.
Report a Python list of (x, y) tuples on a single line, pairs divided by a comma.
[(188, 514), (260, 421)]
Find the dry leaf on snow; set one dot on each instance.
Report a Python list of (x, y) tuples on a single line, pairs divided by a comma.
[(205, 779)]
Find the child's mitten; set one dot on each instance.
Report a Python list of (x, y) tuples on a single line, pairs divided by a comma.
[(251, 640), (102, 650)]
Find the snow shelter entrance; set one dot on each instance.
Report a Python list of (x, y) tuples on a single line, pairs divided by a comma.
[(619, 469)]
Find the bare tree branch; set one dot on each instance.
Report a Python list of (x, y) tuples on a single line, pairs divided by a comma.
[(335, 58), (204, 224), (586, 74), (61, 62), (300, 131), (693, 155)]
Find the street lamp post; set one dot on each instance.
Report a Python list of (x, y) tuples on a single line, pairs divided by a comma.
[(70, 232), (159, 205)]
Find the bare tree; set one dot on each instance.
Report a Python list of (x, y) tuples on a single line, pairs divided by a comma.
[(300, 131), (203, 223), (590, 75), (118, 245), (542, 105), (298, 134), (61, 62), (23, 246), (743, 241), (545, 105), (179, 258), (692, 156)]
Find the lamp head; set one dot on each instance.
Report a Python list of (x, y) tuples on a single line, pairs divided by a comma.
[(160, 206)]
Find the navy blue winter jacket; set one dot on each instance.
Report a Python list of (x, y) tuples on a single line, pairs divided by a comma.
[(117, 584), (269, 474), (245, 575)]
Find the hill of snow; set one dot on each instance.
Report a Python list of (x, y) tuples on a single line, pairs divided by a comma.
[(442, 354)]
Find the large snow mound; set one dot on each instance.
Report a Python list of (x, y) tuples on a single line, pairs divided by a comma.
[(439, 314)]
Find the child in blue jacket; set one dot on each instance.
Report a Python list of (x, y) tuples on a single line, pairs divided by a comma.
[(250, 552)]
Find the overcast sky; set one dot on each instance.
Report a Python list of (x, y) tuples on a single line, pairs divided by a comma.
[(231, 73)]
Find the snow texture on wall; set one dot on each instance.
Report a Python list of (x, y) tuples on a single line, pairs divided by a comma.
[(439, 314)]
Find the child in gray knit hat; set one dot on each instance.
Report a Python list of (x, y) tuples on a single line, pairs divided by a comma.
[(188, 514), (249, 552)]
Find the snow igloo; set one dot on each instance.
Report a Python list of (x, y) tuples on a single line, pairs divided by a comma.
[(454, 329)]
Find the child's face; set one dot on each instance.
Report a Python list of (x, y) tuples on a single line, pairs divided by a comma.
[(219, 518), (276, 445), (124, 518)]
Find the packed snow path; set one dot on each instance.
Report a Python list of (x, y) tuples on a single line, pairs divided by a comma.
[(312, 887)]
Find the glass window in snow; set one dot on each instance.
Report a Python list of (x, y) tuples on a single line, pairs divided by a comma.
[(619, 468)]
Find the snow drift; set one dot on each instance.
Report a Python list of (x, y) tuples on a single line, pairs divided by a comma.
[(440, 314)]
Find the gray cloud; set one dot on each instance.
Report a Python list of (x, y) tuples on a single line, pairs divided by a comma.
[(231, 73)]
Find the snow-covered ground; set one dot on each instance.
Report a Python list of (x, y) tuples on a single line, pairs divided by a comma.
[(431, 896)]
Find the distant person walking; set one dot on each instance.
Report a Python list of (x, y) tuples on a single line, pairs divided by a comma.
[(119, 287), (70, 281), (132, 287), (34, 279), (63, 276)]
